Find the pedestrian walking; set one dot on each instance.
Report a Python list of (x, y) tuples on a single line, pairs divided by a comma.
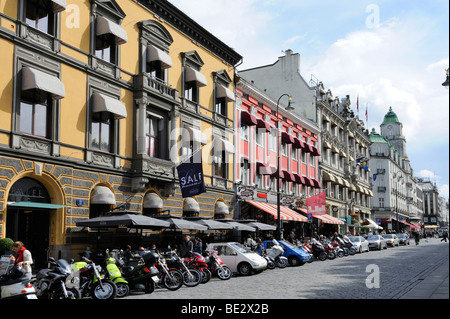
[(23, 257), (444, 236), (187, 247), (417, 237)]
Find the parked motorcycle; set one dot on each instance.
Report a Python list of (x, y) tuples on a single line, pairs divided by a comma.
[(307, 249), (114, 274), (57, 281), (329, 250), (191, 276), (276, 254), (91, 282), (15, 285), (317, 249), (348, 243), (270, 262), (217, 266), (198, 262), (338, 250), (141, 274), (171, 278)]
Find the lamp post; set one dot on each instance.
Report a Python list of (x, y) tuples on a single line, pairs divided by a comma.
[(288, 108)]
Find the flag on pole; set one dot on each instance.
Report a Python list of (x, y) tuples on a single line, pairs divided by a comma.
[(357, 104), (367, 115), (316, 204), (374, 176)]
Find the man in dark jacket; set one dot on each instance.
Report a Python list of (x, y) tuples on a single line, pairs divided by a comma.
[(187, 247)]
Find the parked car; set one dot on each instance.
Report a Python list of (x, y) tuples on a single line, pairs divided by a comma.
[(403, 239), (392, 240), (239, 258), (376, 242), (295, 255), (360, 243)]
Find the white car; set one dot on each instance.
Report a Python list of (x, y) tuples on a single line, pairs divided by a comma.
[(239, 258), (360, 243)]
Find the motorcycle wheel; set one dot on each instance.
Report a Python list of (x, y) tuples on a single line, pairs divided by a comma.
[(352, 251), (225, 273), (282, 263), (271, 265), (331, 255), (192, 277), (340, 254), (206, 275), (310, 260), (174, 280), (108, 291), (322, 256), (122, 289)]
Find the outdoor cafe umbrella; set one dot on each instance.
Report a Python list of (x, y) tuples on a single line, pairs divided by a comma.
[(260, 226), (239, 226), (129, 220), (179, 223), (211, 223)]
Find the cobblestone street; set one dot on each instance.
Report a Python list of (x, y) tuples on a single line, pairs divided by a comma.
[(400, 269)]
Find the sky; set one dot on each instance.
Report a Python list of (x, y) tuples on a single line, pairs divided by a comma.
[(388, 53)]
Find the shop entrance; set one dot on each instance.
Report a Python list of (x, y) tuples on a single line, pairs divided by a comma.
[(28, 218)]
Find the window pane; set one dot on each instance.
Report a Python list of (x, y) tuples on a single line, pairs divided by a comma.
[(26, 117), (95, 135), (40, 120), (105, 136)]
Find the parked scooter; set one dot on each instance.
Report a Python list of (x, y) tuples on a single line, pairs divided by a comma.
[(217, 266), (348, 243), (91, 282), (329, 250), (191, 276), (199, 263), (270, 262), (143, 275), (57, 281), (14, 284), (276, 254), (114, 274), (338, 250)]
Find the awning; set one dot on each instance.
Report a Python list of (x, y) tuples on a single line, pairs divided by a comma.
[(264, 169), (248, 118), (289, 177), (316, 183), (128, 220), (35, 205), (102, 195), (191, 205), (221, 144), (152, 200), (223, 92), (106, 26), (156, 54), (328, 177), (221, 208), (35, 79), (241, 227), (195, 76), (372, 224), (261, 124), (339, 180), (286, 138), (308, 181), (327, 219), (326, 145), (179, 223), (298, 143), (285, 213), (299, 179), (346, 183), (308, 148), (104, 103), (58, 5), (315, 151), (260, 226)]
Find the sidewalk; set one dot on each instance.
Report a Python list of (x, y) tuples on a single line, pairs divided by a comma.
[(433, 286)]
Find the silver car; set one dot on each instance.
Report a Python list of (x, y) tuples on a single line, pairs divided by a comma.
[(392, 240), (360, 243), (376, 242)]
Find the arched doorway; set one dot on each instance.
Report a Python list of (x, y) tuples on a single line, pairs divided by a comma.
[(28, 218)]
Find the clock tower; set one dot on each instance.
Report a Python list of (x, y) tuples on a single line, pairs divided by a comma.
[(392, 130)]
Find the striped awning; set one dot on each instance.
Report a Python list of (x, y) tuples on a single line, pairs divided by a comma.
[(327, 219), (285, 213)]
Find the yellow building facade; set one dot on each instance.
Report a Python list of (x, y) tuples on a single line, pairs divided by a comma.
[(99, 102)]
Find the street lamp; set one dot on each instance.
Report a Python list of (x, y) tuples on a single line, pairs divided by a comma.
[(446, 80), (288, 108)]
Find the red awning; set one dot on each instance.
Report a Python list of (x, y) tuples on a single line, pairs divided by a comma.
[(286, 138), (327, 219), (316, 183), (315, 151), (285, 213), (264, 169), (248, 119), (298, 143), (263, 125), (308, 181), (308, 148), (299, 179), (287, 176)]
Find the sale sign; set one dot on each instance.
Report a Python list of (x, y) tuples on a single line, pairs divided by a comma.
[(315, 205)]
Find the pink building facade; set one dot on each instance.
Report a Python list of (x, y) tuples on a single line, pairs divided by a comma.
[(256, 140)]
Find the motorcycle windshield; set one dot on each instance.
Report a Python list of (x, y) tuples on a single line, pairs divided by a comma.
[(63, 267)]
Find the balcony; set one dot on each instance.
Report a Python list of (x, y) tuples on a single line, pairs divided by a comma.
[(381, 188), (155, 87)]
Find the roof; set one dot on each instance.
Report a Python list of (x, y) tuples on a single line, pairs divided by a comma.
[(377, 138), (390, 117)]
